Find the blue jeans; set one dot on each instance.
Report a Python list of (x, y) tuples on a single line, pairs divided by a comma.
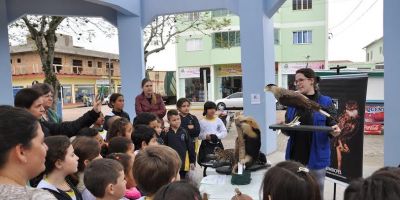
[(319, 175)]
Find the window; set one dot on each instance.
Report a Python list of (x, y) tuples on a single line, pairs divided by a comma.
[(18, 60), (226, 39), (221, 13), (11, 61), (77, 63), (276, 36), (194, 44), (381, 50), (89, 63), (57, 61), (236, 95), (99, 64), (302, 37), (371, 54), (302, 4), (193, 16), (367, 57)]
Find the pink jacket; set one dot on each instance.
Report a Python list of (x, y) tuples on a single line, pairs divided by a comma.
[(143, 105)]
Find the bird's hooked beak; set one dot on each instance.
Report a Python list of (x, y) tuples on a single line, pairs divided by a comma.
[(268, 88)]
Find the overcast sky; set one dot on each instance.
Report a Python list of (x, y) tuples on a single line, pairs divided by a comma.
[(353, 24)]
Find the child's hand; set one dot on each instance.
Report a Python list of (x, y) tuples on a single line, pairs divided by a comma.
[(192, 166), (190, 126), (166, 129)]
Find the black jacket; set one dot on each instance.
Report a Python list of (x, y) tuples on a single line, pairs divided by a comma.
[(121, 114), (69, 128), (182, 143), (191, 120)]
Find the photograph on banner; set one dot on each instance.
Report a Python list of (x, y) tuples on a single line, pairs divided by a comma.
[(348, 93)]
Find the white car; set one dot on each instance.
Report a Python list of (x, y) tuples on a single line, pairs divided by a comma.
[(234, 100)]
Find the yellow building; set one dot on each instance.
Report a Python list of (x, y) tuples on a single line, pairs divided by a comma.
[(80, 71)]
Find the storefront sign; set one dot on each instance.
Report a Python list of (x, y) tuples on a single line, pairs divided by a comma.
[(229, 70), (103, 82), (290, 68), (189, 72), (374, 118)]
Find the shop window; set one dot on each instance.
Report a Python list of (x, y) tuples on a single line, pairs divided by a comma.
[(194, 90)]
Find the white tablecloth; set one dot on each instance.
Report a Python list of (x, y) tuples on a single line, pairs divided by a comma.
[(218, 188)]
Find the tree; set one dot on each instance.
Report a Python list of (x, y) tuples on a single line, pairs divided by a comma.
[(162, 30)]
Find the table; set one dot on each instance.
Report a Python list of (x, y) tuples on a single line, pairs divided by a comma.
[(225, 190)]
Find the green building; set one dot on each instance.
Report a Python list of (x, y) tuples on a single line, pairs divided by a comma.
[(300, 41)]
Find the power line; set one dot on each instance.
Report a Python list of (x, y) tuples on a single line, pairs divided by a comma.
[(365, 12), (347, 17)]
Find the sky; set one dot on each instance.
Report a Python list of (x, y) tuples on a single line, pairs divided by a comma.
[(353, 24)]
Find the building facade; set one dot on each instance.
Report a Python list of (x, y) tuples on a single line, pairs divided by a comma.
[(300, 41), (374, 53), (81, 72)]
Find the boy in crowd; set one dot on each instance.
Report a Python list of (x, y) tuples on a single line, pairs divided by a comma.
[(178, 139), (154, 167), (105, 179), (143, 136)]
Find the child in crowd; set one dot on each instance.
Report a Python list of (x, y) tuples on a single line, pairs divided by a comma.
[(85, 149), (283, 181), (212, 130), (105, 179), (93, 133), (179, 190), (155, 167), (178, 139), (120, 127), (127, 162), (211, 125), (117, 104), (384, 184), (121, 145), (189, 122), (151, 120), (60, 162), (98, 125), (144, 136)]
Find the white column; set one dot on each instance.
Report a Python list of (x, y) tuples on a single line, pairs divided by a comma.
[(131, 59), (391, 29), (258, 65), (5, 67)]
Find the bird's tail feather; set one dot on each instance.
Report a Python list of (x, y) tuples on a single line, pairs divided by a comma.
[(326, 114)]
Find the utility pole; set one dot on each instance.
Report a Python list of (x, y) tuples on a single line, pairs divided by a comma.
[(109, 76)]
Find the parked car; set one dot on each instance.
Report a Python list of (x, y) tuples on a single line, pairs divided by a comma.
[(235, 101)]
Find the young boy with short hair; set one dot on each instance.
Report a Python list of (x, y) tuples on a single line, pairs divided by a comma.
[(154, 167), (178, 139), (105, 179), (143, 136)]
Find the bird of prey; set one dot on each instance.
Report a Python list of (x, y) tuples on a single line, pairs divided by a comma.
[(295, 99)]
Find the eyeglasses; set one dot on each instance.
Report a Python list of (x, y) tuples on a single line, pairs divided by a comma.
[(300, 80)]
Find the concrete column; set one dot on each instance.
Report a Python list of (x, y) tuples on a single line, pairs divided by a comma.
[(73, 93), (5, 67), (131, 59), (257, 46), (391, 29)]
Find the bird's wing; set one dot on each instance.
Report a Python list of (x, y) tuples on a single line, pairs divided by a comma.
[(298, 100)]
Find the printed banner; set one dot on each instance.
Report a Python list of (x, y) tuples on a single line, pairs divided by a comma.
[(374, 118), (349, 95)]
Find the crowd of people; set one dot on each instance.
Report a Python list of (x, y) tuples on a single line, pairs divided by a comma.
[(111, 157)]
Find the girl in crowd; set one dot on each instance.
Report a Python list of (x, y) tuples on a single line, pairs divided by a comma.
[(126, 161), (98, 125), (61, 162), (121, 145), (289, 180), (120, 127), (87, 150), (189, 122), (22, 154), (117, 104)]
